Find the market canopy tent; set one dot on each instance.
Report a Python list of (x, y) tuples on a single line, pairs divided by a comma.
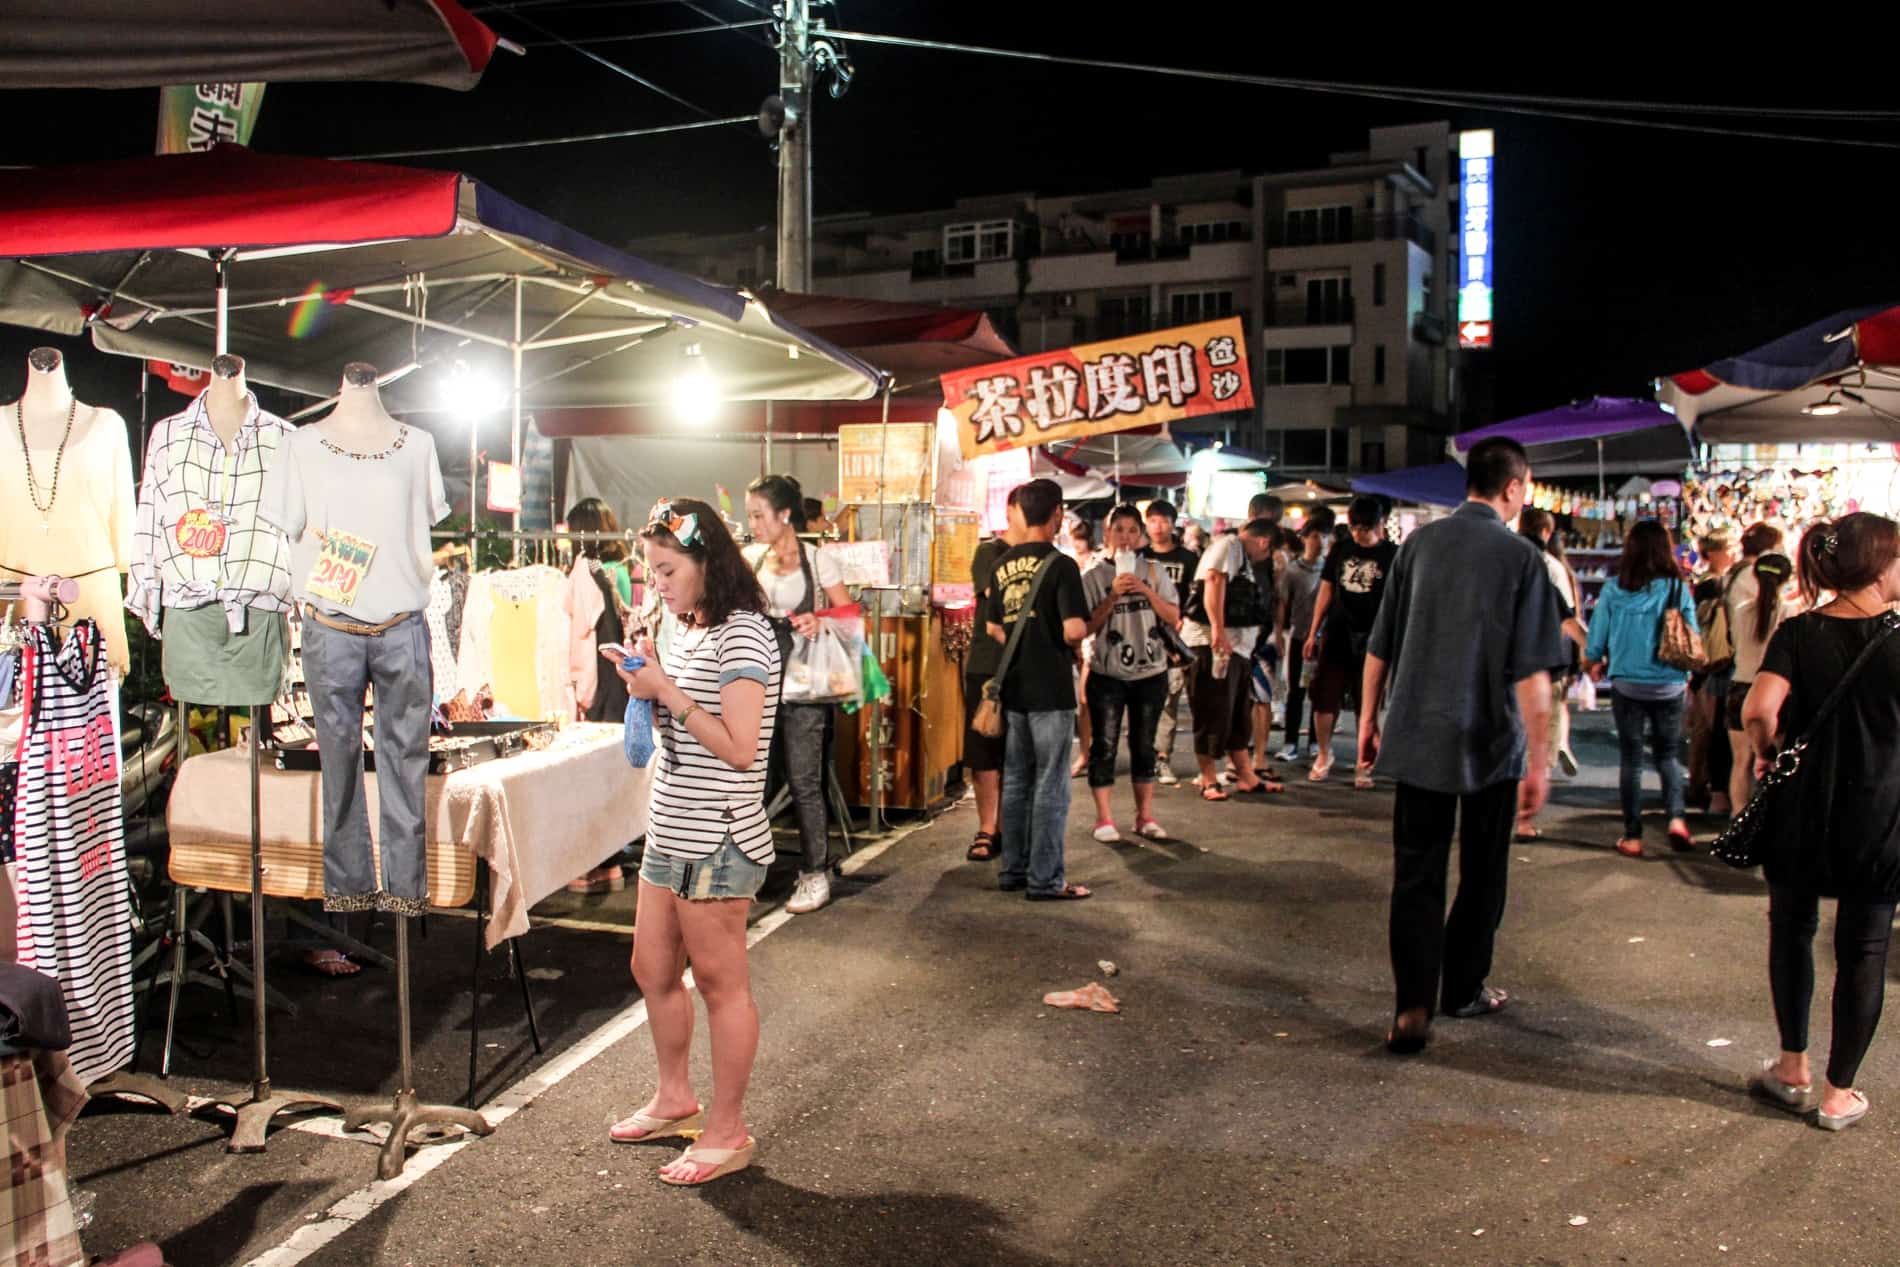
[(1835, 380), (1599, 436), (331, 262), (1440, 484), (151, 43)]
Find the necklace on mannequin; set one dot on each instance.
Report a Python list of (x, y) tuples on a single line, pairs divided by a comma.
[(59, 456)]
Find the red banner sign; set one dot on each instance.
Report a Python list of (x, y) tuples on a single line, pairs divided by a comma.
[(1096, 388)]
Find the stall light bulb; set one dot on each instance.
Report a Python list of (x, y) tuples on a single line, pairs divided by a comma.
[(467, 393), (694, 396)]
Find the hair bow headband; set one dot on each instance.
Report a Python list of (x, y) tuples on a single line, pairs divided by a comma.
[(1831, 542), (685, 528)]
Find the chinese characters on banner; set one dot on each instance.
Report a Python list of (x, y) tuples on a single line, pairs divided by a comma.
[(195, 117), (1096, 388), (905, 451), (1476, 161)]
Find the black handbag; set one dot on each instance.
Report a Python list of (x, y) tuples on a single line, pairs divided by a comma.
[(1741, 842)]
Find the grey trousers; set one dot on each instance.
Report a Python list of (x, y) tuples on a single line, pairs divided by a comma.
[(337, 666), (1170, 717), (803, 727)]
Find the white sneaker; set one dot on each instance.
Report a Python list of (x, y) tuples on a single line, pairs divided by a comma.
[(1107, 833), (1167, 778), (1152, 830), (1289, 753), (813, 893)]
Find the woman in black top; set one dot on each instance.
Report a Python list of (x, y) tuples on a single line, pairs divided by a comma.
[(1838, 834)]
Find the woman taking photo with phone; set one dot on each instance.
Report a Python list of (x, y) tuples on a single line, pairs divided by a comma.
[(708, 840)]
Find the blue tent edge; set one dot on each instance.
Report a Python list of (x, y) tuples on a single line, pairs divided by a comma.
[(1440, 484)]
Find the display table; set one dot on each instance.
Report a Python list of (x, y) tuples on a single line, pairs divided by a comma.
[(538, 819)]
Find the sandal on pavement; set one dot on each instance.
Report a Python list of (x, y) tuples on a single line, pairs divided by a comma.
[(1527, 833), (652, 1128), (1362, 778), (1407, 1040), (724, 1161), (1778, 1093), (1266, 787), (1489, 1000), (1322, 769), (1068, 893), (1841, 1121), (982, 849), (331, 963), (1630, 847), (1214, 794), (1681, 841)]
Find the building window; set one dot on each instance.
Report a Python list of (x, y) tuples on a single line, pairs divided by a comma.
[(1188, 307), (1378, 365), (1289, 281), (1214, 231), (1372, 457), (1130, 242), (926, 262), (978, 241), (1303, 448), (1309, 367), (1422, 161), (1317, 226), (1342, 363), (1378, 285), (1328, 301), (1122, 314)]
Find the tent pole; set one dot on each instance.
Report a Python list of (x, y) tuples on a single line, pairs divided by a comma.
[(876, 826), (514, 444), (222, 343), (1601, 493), (768, 440)]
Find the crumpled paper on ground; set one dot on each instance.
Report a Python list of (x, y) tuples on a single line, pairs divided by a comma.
[(1093, 997)]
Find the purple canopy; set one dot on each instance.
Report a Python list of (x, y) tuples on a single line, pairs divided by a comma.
[(1441, 484), (1585, 420)]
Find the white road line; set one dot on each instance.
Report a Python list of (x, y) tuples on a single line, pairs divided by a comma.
[(363, 1202)]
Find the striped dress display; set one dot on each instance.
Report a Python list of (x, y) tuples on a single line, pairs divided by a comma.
[(69, 874)]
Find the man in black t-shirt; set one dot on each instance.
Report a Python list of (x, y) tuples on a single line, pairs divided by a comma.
[(1038, 692), (1350, 588), (1179, 563), (982, 755)]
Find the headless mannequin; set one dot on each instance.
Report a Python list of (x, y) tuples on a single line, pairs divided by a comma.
[(48, 401), (227, 402), (359, 423)]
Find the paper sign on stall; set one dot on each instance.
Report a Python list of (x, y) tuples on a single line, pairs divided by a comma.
[(886, 463), (953, 551), (340, 568), (1095, 388)]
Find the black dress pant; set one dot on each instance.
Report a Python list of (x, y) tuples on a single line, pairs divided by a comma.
[(1426, 944), (1861, 933)]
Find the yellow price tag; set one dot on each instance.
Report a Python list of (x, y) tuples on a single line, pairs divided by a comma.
[(340, 569)]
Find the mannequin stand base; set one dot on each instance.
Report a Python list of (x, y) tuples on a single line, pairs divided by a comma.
[(404, 1116), (139, 1086), (254, 1116)]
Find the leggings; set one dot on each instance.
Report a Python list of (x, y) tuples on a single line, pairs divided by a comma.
[(1861, 931)]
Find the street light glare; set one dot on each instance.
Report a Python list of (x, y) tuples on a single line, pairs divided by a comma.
[(467, 393), (695, 397)]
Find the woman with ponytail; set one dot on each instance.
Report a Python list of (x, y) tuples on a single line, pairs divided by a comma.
[(1836, 831), (1760, 595)]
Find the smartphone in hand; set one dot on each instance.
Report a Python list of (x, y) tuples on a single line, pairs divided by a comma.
[(614, 651)]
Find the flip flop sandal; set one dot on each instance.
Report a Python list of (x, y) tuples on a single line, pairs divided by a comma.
[(1362, 780), (1407, 1042), (333, 964), (1489, 1002), (652, 1128), (1524, 835), (1262, 788), (1778, 1093), (1068, 893), (1214, 794), (1630, 847), (1841, 1121), (982, 849), (1681, 841), (724, 1161)]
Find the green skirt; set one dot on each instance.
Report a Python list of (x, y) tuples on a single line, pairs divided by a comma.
[(205, 663)]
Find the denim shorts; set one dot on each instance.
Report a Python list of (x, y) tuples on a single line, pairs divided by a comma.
[(728, 873)]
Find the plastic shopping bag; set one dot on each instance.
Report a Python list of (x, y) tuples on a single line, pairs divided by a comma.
[(822, 669), (637, 739), (876, 688)]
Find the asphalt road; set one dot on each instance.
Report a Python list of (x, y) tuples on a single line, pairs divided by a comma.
[(916, 1103)]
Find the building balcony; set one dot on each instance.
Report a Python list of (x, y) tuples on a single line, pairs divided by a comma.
[(1366, 228), (1336, 312)]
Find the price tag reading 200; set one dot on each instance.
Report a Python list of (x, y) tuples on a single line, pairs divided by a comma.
[(340, 569)]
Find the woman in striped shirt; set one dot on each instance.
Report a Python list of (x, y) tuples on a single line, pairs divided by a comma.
[(708, 841)]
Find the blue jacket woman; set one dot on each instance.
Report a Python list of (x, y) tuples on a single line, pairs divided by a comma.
[(1625, 630)]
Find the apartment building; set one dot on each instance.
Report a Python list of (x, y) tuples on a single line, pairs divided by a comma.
[(1344, 277)]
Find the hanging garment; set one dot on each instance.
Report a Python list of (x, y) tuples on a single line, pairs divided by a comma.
[(69, 876), (594, 619), (445, 622), (515, 641)]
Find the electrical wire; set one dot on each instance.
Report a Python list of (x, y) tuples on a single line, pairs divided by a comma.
[(508, 6), (653, 35), (615, 67), (1498, 102), (750, 119)]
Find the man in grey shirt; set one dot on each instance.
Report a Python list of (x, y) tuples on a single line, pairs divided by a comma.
[(1470, 629)]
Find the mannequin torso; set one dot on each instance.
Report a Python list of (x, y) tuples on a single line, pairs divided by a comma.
[(44, 411), (227, 402), (359, 423)]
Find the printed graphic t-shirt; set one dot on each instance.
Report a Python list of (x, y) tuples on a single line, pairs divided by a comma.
[(1040, 677), (1358, 575), (1128, 646)]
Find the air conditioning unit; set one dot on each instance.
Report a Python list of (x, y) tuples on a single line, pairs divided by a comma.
[(1066, 302)]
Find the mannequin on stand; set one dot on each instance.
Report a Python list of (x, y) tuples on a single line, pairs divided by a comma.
[(357, 494), (212, 582)]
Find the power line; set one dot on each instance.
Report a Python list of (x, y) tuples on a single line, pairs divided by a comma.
[(654, 35), (508, 6), (615, 67), (1499, 102), (556, 140)]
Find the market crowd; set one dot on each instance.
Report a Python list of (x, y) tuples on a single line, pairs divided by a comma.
[(1457, 652)]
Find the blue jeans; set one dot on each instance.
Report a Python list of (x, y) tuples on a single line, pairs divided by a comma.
[(1663, 720), (1035, 800)]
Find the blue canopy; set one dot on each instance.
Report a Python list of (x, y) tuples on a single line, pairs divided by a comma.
[(1441, 484)]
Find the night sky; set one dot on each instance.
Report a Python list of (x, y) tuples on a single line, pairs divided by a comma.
[(1623, 252)]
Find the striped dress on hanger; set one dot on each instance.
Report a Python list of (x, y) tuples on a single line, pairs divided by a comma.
[(69, 874)]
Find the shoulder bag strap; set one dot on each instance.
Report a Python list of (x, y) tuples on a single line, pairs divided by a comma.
[(1888, 624), (1023, 618), (811, 580)]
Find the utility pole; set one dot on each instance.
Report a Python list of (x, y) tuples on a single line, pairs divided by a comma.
[(794, 154)]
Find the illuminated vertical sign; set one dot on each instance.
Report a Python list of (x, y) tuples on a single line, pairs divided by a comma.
[(1477, 163)]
